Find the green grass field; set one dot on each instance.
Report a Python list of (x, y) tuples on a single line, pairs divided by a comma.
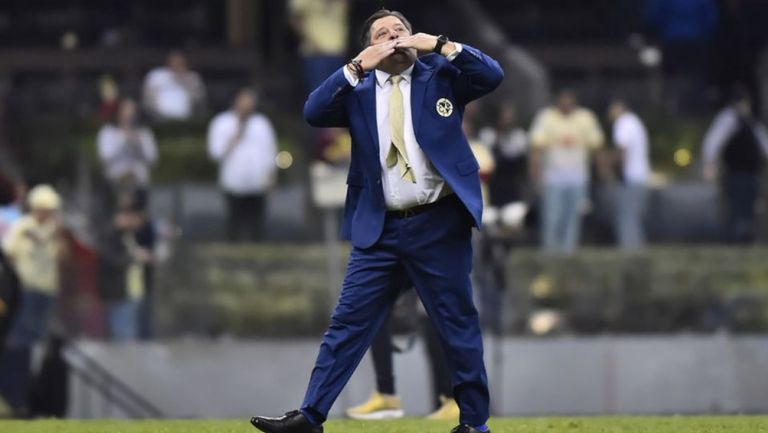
[(676, 424)]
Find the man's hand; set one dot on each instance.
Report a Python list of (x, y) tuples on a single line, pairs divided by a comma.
[(374, 54), (424, 43)]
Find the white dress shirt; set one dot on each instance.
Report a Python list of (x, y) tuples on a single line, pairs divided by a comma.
[(173, 97), (630, 135), (127, 154), (249, 168), (398, 192)]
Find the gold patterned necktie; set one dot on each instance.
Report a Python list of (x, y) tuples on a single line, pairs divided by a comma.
[(397, 154)]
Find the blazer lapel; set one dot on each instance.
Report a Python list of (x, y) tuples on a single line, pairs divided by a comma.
[(366, 94), (422, 73)]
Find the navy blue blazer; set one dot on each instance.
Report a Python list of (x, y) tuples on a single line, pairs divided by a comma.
[(335, 103)]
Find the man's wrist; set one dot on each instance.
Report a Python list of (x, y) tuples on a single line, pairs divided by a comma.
[(355, 66), (448, 48), (440, 42), (350, 76), (451, 50)]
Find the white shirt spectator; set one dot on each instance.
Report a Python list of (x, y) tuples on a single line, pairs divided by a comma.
[(127, 154), (170, 96), (250, 165), (631, 137)]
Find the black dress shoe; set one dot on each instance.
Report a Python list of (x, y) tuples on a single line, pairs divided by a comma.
[(463, 428), (291, 422)]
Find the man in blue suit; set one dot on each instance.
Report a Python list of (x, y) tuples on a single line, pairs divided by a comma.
[(413, 196)]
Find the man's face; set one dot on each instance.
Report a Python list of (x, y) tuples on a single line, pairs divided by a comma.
[(43, 215), (615, 111), (390, 28), (245, 103), (743, 107), (177, 62), (566, 102), (507, 116), (127, 111)]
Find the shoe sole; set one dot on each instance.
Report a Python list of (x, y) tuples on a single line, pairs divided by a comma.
[(378, 415), (255, 422)]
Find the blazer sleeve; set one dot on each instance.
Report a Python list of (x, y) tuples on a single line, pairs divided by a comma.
[(478, 74), (325, 106)]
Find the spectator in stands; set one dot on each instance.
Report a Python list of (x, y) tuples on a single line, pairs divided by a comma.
[(127, 149), (562, 138), (322, 28), (384, 403), (35, 245), (509, 144), (243, 143), (738, 142), (631, 139), (9, 283), (334, 147), (15, 193), (126, 253), (173, 91), (480, 150)]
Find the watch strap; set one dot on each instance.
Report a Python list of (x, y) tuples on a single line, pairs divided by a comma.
[(441, 40)]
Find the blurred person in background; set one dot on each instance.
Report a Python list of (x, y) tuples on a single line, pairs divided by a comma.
[(243, 143), (509, 146), (384, 402), (127, 150), (333, 146), (481, 151), (36, 246), (173, 91), (9, 283), (734, 150), (323, 31), (15, 194), (126, 252), (563, 137), (631, 139)]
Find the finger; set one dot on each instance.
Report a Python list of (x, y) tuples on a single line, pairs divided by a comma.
[(386, 44), (387, 52), (405, 44), (404, 41), (389, 49), (381, 48)]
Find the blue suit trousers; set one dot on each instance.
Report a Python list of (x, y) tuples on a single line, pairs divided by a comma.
[(432, 251)]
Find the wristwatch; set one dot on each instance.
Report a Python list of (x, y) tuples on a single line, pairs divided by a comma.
[(441, 40)]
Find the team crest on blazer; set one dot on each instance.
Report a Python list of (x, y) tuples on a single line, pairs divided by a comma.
[(444, 107)]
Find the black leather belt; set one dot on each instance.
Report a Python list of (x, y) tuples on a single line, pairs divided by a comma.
[(413, 211)]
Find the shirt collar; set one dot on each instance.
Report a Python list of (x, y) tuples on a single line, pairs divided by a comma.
[(382, 77)]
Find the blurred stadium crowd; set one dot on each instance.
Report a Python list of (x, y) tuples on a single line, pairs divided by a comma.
[(117, 119)]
